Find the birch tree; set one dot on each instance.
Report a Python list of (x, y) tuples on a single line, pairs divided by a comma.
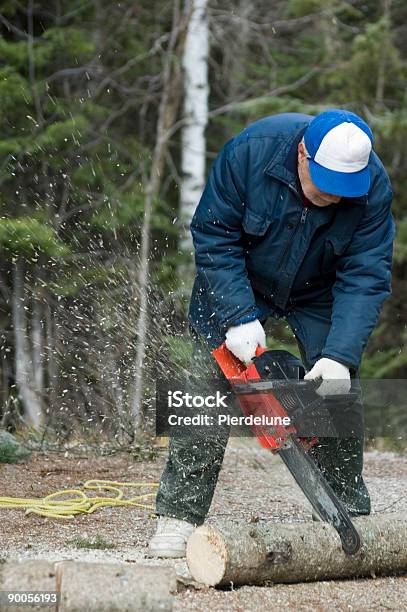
[(195, 112)]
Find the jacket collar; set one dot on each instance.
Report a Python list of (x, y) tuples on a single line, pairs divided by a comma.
[(283, 165)]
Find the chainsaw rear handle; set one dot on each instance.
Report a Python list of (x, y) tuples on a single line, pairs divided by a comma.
[(236, 371), (262, 386)]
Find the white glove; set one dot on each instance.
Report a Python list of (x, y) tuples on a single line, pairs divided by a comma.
[(242, 340), (335, 376)]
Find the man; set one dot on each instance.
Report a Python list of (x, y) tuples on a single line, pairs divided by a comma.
[(294, 222)]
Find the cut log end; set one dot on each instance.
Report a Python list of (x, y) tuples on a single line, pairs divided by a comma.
[(207, 555), (279, 552)]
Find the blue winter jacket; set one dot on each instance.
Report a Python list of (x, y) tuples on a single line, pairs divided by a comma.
[(256, 244)]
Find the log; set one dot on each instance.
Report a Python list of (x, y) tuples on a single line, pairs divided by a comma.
[(111, 587), (94, 587), (29, 576), (266, 553)]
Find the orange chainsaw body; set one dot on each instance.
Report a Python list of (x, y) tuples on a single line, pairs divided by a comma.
[(258, 404)]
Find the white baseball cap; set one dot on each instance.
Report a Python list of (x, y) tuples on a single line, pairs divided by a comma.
[(339, 144)]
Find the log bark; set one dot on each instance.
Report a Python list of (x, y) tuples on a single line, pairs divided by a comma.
[(258, 554), (33, 576), (94, 587), (110, 587)]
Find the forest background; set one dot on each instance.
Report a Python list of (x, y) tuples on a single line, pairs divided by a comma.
[(96, 262)]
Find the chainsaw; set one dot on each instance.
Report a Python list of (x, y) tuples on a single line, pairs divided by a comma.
[(271, 387)]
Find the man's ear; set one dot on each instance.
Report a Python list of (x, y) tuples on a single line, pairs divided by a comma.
[(301, 151)]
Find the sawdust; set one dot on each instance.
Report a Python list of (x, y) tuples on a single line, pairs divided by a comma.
[(253, 486)]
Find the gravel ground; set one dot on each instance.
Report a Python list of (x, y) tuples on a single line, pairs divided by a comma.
[(273, 498)]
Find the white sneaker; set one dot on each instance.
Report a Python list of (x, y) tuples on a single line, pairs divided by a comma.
[(170, 538)]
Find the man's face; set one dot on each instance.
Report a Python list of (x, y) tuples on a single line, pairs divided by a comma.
[(311, 191)]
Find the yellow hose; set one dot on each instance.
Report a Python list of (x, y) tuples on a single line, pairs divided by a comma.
[(80, 503)]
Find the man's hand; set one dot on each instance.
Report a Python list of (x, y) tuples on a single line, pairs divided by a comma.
[(335, 377), (242, 340)]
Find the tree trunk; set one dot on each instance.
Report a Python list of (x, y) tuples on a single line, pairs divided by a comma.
[(23, 364), (37, 343), (260, 553), (51, 360), (381, 69), (196, 91), (166, 118)]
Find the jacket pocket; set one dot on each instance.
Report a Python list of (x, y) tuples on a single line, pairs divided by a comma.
[(255, 224), (334, 248)]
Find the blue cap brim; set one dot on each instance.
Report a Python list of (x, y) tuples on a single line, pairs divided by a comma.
[(345, 184)]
